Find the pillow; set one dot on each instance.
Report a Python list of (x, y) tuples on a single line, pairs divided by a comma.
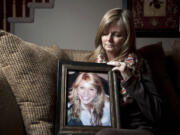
[(31, 73), (157, 61), (10, 117), (176, 60), (77, 55)]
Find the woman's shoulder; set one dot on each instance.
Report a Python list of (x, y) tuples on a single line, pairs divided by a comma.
[(142, 61)]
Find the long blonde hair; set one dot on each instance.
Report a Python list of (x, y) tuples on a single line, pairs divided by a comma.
[(98, 102), (116, 15)]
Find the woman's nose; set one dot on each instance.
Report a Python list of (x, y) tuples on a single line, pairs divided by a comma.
[(86, 92), (109, 37)]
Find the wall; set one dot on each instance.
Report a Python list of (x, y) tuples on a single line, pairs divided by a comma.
[(72, 24)]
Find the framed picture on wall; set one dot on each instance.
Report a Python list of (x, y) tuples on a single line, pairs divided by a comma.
[(87, 98), (155, 18)]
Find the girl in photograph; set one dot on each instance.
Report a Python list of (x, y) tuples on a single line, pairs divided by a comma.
[(88, 104)]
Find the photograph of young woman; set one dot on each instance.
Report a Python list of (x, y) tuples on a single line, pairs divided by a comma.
[(88, 104)]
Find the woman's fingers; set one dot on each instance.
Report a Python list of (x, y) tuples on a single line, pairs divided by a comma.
[(116, 69), (121, 67), (118, 65), (115, 63)]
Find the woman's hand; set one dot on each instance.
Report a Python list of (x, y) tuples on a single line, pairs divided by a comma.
[(122, 68)]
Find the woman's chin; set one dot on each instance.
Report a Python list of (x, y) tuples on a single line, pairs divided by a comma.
[(109, 50), (86, 102)]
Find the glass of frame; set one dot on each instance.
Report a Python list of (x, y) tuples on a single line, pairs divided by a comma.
[(87, 98), (155, 18)]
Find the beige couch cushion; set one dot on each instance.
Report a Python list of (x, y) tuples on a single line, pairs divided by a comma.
[(76, 55), (31, 73)]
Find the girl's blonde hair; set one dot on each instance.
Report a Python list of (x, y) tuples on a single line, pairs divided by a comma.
[(117, 16), (98, 102)]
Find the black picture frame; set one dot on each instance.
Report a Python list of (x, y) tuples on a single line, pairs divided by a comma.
[(64, 81), (156, 31)]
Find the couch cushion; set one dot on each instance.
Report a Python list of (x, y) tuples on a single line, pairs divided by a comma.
[(31, 73), (156, 58), (10, 116), (176, 59), (76, 55)]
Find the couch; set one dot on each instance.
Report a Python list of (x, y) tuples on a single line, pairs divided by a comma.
[(28, 84)]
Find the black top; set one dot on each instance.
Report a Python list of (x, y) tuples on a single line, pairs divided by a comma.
[(146, 109)]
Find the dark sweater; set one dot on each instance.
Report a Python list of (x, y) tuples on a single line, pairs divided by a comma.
[(146, 109)]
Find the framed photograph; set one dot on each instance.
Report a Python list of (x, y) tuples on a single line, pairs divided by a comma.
[(155, 18), (87, 98)]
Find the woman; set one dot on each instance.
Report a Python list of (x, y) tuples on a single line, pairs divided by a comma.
[(115, 45), (89, 105)]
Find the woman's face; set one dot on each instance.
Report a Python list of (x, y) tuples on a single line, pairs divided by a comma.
[(86, 92), (113, 38)]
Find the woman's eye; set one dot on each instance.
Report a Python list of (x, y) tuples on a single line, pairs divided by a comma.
[(92, 89), (117, 34), (81, 87)]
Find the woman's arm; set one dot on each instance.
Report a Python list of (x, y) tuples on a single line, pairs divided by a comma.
[(145, 94)]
